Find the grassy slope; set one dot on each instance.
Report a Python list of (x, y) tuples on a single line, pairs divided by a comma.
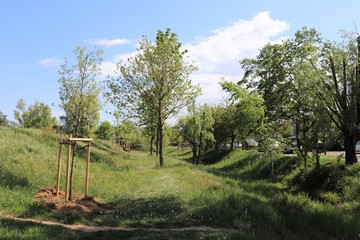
[(237, 192)]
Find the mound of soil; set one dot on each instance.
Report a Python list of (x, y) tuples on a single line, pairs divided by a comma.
[(78, 204)]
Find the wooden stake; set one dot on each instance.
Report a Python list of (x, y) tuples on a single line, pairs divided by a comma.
[(87, 170), (68, 171), (59, 169)]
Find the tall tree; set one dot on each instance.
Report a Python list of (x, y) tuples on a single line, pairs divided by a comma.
[(35, 116), (340, 92), (244, 110), (79, 94), (284, 76), (156, 80), (221, 130)]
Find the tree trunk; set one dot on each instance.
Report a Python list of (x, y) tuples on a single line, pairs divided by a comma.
[(72, 169), (160, 137), (151, 144), (201, 144), (161, 156), (157, 142), (76, 134), (195, 151), (350, 145)]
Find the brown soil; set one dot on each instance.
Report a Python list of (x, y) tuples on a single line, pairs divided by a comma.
[(78, 204)]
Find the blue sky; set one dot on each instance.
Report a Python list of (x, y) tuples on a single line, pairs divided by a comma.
[(37, 35)]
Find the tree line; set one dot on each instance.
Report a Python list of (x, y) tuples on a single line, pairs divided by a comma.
[(304, 86)]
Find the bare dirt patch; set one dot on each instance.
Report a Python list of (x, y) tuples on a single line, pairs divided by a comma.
[(78, 204)]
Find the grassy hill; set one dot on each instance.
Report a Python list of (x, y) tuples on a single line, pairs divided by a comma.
[(235, 196)]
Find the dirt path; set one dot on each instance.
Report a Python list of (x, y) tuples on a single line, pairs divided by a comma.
[(92, 229)]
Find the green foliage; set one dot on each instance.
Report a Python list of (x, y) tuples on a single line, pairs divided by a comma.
[(129, 131), (79, 92), (104, 131), (244, 112), (340, 93), (155, 84), (285, 76), (36, 116)]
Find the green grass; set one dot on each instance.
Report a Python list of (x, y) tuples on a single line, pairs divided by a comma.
[(236, 192)]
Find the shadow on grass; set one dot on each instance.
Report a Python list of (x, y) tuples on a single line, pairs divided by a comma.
[(215, 156), (257, 167), (165, 235), (330, 178), (8, 179), (148, 212)]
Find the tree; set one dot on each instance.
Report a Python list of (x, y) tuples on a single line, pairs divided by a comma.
[(245, 111), (197, 130), (221, 130), (283, 74), (340, 92), (79, 94), (36, 116), (155, 83), (104, 131)]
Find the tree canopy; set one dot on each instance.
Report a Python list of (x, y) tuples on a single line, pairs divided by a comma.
[(80, 92)]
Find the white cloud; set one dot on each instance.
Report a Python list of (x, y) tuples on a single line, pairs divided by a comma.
[(112, 42), (218, 55), (51, 62), (109, 68)]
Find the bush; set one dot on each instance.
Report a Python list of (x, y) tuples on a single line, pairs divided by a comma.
[(3, 119)]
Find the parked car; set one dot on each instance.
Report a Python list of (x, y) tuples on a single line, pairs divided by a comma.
[(357, 147), (274, 145), (250, 144)]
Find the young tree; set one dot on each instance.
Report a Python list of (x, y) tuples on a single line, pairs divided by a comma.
[(156, 80), (36, 116), (79, 94)]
